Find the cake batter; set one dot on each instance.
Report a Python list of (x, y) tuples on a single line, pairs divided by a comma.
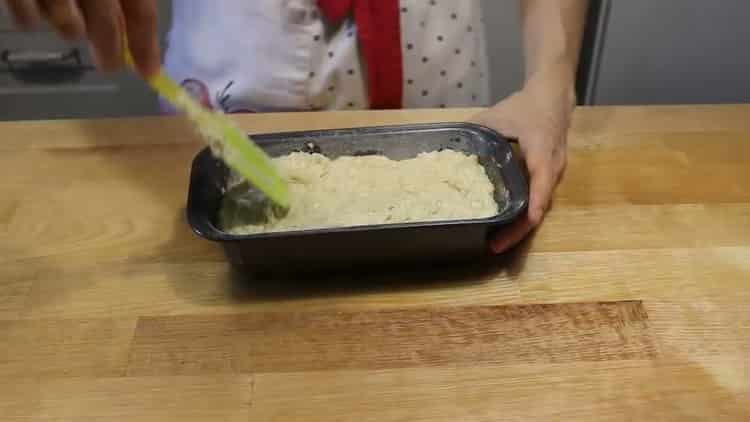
[(371, 190)]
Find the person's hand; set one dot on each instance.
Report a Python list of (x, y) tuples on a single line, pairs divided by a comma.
[(101, 22), (539, 117)]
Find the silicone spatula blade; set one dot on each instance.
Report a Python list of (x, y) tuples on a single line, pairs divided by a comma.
[(227, 141)]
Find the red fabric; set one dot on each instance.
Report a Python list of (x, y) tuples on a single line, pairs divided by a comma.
[(379, 31)]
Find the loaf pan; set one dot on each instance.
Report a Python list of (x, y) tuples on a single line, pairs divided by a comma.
[(321, 249)]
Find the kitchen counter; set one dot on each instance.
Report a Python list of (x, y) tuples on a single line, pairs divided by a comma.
[(629, 303)]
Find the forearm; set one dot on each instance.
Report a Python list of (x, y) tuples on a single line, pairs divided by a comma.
[(552, 33)]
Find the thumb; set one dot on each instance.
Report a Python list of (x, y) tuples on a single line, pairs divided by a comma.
[(495, 118)]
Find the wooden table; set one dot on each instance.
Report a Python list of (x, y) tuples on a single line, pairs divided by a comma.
[(630, 303)]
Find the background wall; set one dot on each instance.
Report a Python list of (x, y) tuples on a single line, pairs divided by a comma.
[(649, 52), (503, 27), (674, 51)]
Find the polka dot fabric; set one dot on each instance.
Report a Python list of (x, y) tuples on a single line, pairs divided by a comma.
[(271, 55), (338, 82), (444, 54)]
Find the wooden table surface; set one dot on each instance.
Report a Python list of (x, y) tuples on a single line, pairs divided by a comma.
[(630, 303)]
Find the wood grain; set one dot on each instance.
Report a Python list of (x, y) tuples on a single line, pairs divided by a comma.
[(134, 287), (685, 273), (675, 168), (194, 286), (15, 286), (390, 339), (620, 391), (701, 329), (628, 303), (207, 398), (13, 295), (55, 348), (624, 226)]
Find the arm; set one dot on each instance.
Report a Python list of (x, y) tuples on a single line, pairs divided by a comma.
[(552, 32), (539, 114)]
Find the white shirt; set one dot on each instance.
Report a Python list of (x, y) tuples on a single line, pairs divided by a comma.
[(277, 55)]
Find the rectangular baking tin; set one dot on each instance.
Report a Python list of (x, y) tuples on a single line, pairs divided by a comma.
[(434, 241)]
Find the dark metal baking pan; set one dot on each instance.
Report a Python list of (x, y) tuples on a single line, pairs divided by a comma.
[(310, 250)]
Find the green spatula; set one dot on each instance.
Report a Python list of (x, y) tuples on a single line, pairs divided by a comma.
[(226, 140)]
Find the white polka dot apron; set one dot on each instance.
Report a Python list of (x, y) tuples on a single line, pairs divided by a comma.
[(282, 55)]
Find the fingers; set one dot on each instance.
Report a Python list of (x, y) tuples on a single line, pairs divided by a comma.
[(502, 126), (541, 186), (104, 32), (26, 13), (544, 171), (545, 166), (100, 21), (508, 237), (497, 119), (65, 17), (143, 34)]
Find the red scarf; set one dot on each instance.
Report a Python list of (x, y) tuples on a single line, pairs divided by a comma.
[(379, 33)]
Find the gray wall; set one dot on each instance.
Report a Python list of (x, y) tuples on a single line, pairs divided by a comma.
[(652, 51), (675, 51), (503, 26)]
